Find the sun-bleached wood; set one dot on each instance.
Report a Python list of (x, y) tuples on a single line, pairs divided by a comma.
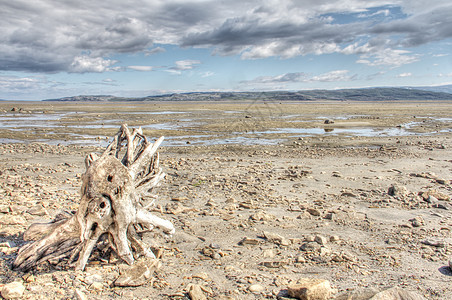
[(112, 187)]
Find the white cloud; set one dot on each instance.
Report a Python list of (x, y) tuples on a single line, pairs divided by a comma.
[(445, 75), (338, 75), (388, 57), (140, 68), (154, 51), (182, 65), (84, 64), (407, 74), (14, 83), (282, 80)]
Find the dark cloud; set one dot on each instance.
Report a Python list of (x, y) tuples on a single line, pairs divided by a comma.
[(82, 35)]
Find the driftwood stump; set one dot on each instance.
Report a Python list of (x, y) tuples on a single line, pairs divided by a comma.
[(110, 206)]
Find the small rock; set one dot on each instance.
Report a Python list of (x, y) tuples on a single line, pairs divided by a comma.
[(273, 264), (314, 212), (203, 275), (321, 240), (262, 216), (440, 206), (276, 238), (417, 221), (328, 121), (37, 210), (256, 288), (90, 279), (310, 289), (329, 216), (310, 247), (269, 253), (79, 295), (309, 238), (249, 241), (98, 286), (397, 190), (300, 259), (6, 219), (433, 193), (437, 244), (431, 199), (8, 244), (334, 238), (13, 290), (4, 209), (337, 174), (195, 292), (441, 181), (324, 251)]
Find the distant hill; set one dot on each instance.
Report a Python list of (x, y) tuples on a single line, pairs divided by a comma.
[(365, 94), (368, 94), (440, 88), (86, 98)]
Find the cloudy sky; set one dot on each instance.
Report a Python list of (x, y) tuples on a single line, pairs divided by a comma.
[(51, 48)]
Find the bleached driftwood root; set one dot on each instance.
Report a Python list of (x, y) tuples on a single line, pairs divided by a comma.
[(112, 187)]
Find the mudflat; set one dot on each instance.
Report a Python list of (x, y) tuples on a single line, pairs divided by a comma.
[(262, 194)]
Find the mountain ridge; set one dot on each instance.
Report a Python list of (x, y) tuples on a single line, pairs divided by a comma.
[(359, 94)]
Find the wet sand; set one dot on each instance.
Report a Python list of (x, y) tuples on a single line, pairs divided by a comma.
[(245, 170)]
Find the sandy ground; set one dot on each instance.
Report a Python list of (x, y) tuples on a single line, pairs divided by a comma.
[(315, 206)]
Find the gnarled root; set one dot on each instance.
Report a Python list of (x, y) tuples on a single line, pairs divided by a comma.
[(112, 187)]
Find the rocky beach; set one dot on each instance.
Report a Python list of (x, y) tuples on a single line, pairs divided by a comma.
[(351, 199)]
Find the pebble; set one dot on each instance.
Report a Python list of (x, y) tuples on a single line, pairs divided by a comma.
[(256, 288)]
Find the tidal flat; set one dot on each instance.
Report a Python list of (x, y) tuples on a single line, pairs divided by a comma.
[(262, 194)]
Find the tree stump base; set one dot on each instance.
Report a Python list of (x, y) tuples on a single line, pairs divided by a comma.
[(110, 207)]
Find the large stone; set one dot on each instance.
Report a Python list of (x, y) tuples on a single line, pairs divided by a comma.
[(310, 289), (397, 293), (13, 290), (139, 273)]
